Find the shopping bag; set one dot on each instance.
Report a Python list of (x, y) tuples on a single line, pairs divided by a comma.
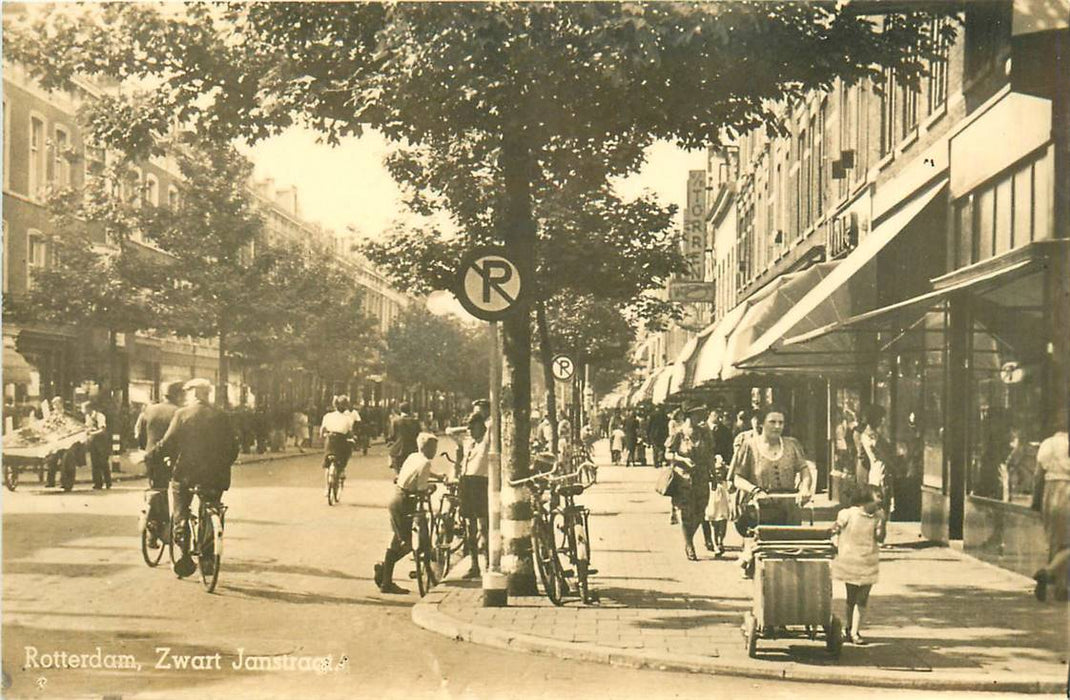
[(666, 481)]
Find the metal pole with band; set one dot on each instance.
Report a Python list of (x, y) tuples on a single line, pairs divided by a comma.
[(495, 591)]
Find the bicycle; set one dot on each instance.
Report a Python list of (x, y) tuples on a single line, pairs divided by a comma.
[(570, 524), (336, 480), (204, 535), (423, 535), (547, 567), (153, 530), (449, 527)]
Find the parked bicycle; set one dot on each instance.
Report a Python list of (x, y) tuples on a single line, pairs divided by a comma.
[(560, 534), (450, 529), (204, 535)]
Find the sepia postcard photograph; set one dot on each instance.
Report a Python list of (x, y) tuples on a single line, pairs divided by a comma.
[(535, 350)]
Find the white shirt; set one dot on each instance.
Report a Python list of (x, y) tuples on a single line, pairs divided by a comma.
[(415, 473), (876, 466), (337, 422), (475, 458)]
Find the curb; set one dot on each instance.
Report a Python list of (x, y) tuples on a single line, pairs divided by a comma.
[(426, 614)]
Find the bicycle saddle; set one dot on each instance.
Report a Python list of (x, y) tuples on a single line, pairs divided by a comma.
[(571, 490)]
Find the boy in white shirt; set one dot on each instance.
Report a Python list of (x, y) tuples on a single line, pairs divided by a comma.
[(413, 478)]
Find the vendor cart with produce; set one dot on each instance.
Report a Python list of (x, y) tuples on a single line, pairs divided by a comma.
[(55, 443)]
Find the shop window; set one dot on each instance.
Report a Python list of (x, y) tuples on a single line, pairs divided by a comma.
[(1007, 366)]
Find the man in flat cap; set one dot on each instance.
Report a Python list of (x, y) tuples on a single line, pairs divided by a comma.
[(202, 447)]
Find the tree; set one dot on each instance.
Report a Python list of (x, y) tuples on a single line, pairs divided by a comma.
[(518, 93), (436, 353)]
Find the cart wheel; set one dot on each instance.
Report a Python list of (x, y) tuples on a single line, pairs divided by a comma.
[(750, 634), (834, 636)]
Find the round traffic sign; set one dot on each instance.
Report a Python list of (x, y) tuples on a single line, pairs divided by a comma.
[(563, 367), (489, 284)]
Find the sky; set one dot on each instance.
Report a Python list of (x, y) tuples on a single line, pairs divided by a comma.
[(347, 185)]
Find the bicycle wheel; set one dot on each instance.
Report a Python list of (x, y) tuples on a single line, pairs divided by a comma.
[(11, 476), (210, 555), (332, 484), (581, 547), (546, 565), (444, 536), (151, 557), (425, 565)]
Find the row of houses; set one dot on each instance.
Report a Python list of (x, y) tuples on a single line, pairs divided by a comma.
[(905, 246), (44, 148)]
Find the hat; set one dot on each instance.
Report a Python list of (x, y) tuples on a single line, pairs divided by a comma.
[(476, 417), (481, 402), (196, 384), (690, 408), (174, 390)]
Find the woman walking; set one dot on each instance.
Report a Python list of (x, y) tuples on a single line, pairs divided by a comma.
[(692, 447), (1053, 499)]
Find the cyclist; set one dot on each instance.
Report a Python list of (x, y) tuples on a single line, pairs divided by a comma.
[(337, 431), (202, 447), (151, 426), (412, 479)]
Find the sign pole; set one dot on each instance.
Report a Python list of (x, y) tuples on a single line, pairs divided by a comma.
[(495, 590)]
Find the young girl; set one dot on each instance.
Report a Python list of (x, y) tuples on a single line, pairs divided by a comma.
[(616, 443), (859, 531), (717, 510)]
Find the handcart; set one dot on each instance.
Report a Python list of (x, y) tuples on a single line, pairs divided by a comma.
[(792, 585), (56, 444)]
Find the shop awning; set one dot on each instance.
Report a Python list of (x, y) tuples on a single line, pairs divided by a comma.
[(832, 300), (710, 356), (999, 279), (683, 369), (17, 370), (645, 391), (662, 382)]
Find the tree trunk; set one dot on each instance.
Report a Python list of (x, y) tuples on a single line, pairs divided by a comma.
[(547, 356), (517, 230), (224, 371)]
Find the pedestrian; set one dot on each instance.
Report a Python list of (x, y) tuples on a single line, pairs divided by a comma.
[(858, 534), (473, 491), (692, 450), (657, 432), (617, 442), (98, 444), (300, 428), (873, 472), (1052, 498), (770, 463), (631, 437), (404, 428), (412, 479), (722, 435), (717, 511)]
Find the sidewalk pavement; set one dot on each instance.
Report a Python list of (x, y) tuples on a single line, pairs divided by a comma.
[(937, 620)]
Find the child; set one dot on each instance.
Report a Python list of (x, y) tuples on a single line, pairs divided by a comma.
[(717, 509), (859, 530), (616, 444)]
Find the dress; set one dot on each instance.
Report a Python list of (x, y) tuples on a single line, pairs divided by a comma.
[(1053, 459), (858, 556), (698, 447)]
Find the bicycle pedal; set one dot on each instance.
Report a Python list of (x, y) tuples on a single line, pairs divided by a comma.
[(412, 574)]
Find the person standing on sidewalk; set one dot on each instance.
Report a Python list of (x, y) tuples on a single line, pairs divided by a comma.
[(96, 426), (631, 437), (694, 444), (1052, 498), (858, 533), (657, 432), (402, 439), (473, 491)]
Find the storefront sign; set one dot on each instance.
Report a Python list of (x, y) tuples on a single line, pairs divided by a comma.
[(692, 292), (843, 236), (1011, 373), (694, 240)]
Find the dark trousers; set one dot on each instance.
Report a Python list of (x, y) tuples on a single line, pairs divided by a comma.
[(98, 456), (401, 508), (659, 453), (181, 497)]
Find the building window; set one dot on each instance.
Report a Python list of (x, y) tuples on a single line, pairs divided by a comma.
[(888, 109), (61, 169), (36, 255), (909, 115), (152, 190), (37, 157), (172, 197), (4, 247), (134, 185), (937, 79)]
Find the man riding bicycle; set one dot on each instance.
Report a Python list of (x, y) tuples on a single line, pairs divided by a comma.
[(337, 432), (202, 447)]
